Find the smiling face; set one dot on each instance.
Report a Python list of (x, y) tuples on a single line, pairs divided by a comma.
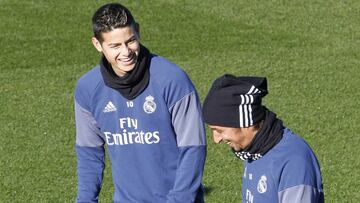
[(121, 48), (236, 138)]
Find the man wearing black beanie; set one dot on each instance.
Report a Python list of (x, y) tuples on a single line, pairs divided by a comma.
[(279, 165)]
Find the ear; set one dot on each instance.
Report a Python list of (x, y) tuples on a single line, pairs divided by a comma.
[(96, 44)]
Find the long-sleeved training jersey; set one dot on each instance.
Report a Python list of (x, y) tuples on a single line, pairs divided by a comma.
[(156, 142), (289, 172)]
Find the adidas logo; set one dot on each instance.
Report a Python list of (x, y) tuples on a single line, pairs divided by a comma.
[(109, 107)]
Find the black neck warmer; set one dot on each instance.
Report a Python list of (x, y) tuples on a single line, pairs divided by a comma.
[(132, 83), (269, 135)]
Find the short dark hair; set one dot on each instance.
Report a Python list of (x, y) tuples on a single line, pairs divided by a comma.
[(109, 17)]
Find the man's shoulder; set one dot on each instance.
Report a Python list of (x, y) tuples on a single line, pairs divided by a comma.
[(86, 86), (293, 149), (170, 79), (294, 142), (165, 70), (90, 79), (160, 60)]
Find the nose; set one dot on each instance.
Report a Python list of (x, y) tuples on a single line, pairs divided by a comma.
[(125, 50), (217, 137)]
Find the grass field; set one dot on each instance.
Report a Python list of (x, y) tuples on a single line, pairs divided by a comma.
[(309, 50)]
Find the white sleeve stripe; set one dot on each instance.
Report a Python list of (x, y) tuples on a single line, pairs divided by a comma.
[(87, 131), (300, 193), (187, 121)]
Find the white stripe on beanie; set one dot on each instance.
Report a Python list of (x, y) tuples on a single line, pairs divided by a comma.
[(250, 116), (246, 113), (241, 119), (245, 110)]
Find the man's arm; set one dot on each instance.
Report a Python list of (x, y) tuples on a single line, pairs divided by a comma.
[(90, 156), (191, 141)]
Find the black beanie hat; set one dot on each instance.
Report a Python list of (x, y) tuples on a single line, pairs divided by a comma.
[(235, 101)]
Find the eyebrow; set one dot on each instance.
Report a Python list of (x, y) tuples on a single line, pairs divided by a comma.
[(127, 41), (213, 128)]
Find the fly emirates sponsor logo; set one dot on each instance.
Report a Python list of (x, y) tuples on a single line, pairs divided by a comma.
[(130, 134)]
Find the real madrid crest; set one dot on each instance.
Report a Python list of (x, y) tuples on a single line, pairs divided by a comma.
[(149, 104), (262, 185)]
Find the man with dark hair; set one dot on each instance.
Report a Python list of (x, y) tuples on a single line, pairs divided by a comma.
[(146, 111), (279, 165)]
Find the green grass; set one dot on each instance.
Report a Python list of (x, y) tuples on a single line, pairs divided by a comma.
[(309, 50)]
